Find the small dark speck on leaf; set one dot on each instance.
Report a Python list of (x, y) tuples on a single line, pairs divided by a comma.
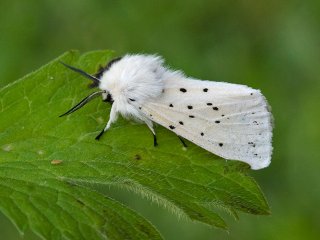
[(137, 157), (72, 184), (226, 170), (199, 215), (79, 201)]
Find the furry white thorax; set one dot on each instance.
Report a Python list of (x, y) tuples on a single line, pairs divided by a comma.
[(134, 80)]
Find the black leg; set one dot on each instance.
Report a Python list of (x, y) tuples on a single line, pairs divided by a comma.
[(100, 134), (181, 140), (155, 143)]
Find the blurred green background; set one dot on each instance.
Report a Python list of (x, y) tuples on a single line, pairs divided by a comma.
[(270, 45)]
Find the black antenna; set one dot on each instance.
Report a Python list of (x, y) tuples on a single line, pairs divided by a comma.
[(95, 80), (83, 102)]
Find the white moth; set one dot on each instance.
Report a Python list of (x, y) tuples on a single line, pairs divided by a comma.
[(230, 120)]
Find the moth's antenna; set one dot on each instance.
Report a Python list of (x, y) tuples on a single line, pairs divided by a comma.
[(83, 102), (95, 80)]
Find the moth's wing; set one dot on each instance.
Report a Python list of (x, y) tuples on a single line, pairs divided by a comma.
[(230, 120)]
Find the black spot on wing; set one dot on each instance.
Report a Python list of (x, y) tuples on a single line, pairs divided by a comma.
[(220, 144), (191, 116), (190, 107), (183, 90), (205, 89), (172, 127), (170, 105), (181, 123), (215, 108)]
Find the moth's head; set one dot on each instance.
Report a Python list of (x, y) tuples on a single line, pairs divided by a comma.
[(106, 96)]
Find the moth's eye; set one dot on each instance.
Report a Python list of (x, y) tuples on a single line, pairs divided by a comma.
[(108, 98)]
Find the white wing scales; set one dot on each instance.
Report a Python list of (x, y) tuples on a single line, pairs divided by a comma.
[(229, 120)]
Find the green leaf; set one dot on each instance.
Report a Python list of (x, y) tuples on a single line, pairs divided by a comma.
[(46, 163)]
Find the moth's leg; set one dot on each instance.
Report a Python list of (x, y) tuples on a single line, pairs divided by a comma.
[(150, 126), (155, 143), (112, 118), (182, 141)]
